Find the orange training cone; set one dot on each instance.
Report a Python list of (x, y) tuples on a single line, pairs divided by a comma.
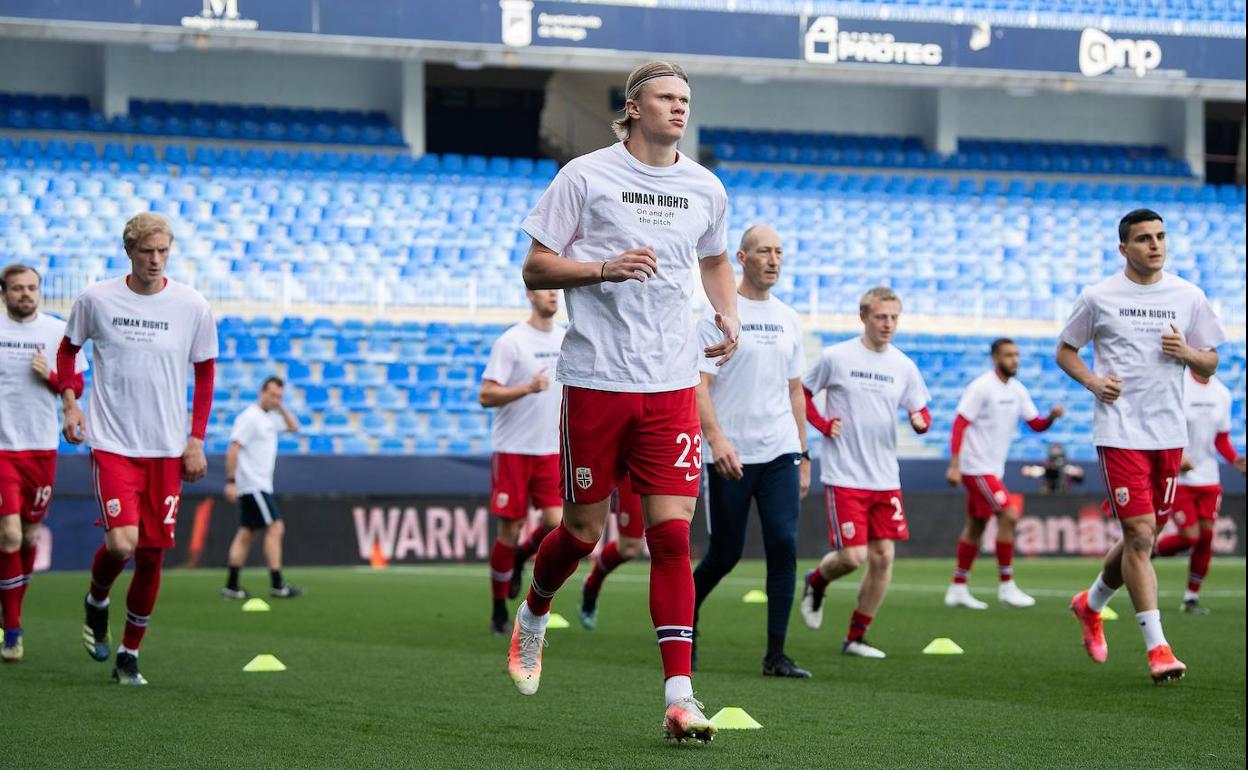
[(378, 560)]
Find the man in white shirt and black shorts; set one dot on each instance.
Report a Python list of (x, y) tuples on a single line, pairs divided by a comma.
[(1198, 501), (146, 329), (29, 434), (753, 414), (867, 379), (621, 231), (524, 471), (1145, 326), (987, 419), (249, 464)]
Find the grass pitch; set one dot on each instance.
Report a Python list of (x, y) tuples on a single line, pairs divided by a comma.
[(396, 668)]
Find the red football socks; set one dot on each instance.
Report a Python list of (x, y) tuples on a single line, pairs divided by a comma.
[(816, 580), (141, 597), (502, 557), (1202, 554), (608, 559), (858, 625), (11, 580), (672, 594), (531, 540), (557, 558), (1172, 544), (966, 557), (104, 570), (28, 569), (1005, 561)]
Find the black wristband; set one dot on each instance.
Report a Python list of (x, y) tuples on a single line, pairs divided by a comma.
[(229, 479), (805, 455), (602, 274)]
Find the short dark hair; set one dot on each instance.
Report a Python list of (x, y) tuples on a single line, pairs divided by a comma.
[(999, 342), (278, 381), (16, 269), (1134, 218)]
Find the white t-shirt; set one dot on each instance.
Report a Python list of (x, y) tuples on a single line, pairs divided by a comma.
[(632, 337), (1208, 411), (865, 390), (530, 424), (29, 417), (138, 401), (751, 392), (256, 431), (993, 408), (1124, 321)]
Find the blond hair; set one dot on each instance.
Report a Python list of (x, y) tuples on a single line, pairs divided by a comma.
[(622, 126), (878, 294), (16, 268), (142, 225)]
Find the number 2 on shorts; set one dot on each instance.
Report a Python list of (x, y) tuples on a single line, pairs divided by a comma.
[(171, 518)]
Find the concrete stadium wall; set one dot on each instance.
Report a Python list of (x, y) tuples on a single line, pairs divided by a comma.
[(66, 69), (839, 108), (993, 114)]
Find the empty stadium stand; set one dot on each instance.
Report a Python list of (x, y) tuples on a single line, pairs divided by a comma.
[(809, 149), (201, 120), (367, 232)]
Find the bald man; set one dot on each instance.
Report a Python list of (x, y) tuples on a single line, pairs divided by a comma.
[(753, 414)]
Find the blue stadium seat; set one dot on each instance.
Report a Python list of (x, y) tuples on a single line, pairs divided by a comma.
[(321, 445), (315, 396), (408, 424), (333, 373), (392, 446), (355, 398), (336, 422)]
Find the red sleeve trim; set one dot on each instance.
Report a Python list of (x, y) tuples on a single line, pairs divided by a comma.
[(960, 425), (820, 423), (201, 408), (66, 377), (927, 419), (1040, 424), (1222, 442)]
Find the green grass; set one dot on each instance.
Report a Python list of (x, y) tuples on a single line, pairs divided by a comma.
[(396, 669)]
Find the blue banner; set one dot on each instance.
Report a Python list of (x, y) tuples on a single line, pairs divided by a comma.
[(815, 40)]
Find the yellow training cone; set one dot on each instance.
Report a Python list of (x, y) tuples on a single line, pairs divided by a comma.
[(264, 663), (942, 646), (755, 596), (1108, 613), (733, 718), (255, 604), (557, 621)]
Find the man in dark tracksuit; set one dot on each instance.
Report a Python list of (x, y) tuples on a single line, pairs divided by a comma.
[(753, 414)]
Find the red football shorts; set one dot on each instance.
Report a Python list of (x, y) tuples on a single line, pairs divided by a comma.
[(628, 518), (26, 480), (655, 438), (1140, 482), (985, 496), (141, 492), (1196, 504), (856, 516), (517, 480)]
